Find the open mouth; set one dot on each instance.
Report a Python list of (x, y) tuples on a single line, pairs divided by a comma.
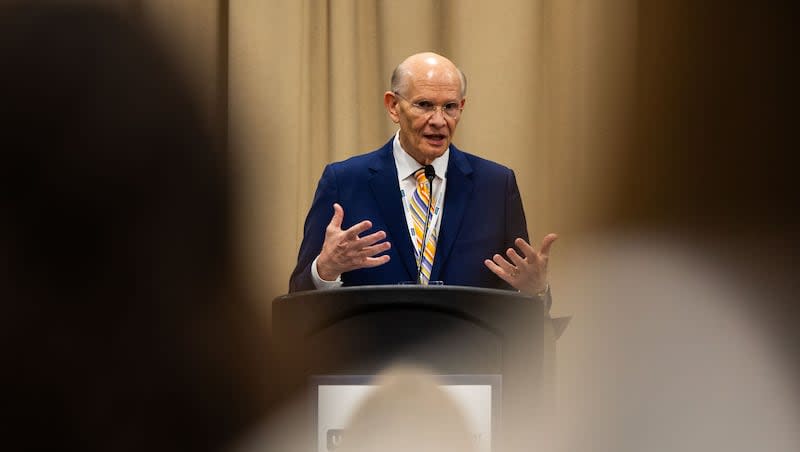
[(435, 138)]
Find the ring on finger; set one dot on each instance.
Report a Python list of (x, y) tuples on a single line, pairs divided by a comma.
[(514, 271)]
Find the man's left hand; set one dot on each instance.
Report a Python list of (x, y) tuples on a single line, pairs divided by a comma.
[(527, 274)]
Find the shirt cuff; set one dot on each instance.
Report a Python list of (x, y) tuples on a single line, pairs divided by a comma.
[(546, 297), (320, 283)]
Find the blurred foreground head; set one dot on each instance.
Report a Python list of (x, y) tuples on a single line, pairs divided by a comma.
[(686, 333), (121, 327), (408, 411), (714, 135), (713, 128)]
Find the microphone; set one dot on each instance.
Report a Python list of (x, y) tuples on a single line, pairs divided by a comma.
[(430, 173)]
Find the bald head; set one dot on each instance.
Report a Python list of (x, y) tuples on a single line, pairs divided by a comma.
[(426, 101), (425, 65)]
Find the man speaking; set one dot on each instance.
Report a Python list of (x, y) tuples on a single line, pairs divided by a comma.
[(419, 209)]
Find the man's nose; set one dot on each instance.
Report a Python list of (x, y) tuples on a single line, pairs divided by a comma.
[(437, 117)]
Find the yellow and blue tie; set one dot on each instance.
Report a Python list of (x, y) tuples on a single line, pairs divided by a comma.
[(420, 212)]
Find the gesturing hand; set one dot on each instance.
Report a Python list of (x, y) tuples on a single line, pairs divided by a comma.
[(528, 274), (344, 250)]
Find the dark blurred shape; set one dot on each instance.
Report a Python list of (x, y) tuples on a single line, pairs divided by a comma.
[(688, 337), (714, 144), (714, 118), (122, 328)]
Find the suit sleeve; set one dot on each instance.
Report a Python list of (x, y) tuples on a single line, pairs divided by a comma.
[(516, 226), (318, 218)]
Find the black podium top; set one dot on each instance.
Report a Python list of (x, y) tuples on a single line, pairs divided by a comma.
[(452, 329), (315, 308)]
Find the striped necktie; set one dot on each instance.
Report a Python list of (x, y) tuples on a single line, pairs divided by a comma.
[(419, 211)]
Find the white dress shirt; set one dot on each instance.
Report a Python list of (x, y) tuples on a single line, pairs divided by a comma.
[(406, 166)]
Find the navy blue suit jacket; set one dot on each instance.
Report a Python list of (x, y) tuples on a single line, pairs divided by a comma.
[(482, 216)]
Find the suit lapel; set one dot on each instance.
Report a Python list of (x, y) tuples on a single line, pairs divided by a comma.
[(457, 196), (383, 182)]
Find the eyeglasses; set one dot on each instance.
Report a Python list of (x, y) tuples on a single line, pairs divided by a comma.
[(428, 108)]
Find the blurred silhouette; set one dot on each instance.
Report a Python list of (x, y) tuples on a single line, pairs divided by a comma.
[(407, 411), (121, 320), (712, 142), (687, 337)]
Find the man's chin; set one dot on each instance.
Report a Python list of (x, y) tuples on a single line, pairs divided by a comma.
[(436, 148)]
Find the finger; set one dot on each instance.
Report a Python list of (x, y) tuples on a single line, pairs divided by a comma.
[(547, 242), (497, 270), (527, 250), (368, 240), (338, 216), (515, 258), (502, 263), (370, 251), (376, 261), (352, 233)]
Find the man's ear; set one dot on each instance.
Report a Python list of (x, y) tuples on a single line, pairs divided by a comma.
[(390, 102)]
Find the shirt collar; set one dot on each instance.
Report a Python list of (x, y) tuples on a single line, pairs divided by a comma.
[(406, 165)]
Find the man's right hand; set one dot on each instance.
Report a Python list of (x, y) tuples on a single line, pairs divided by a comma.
[(344, 250)]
